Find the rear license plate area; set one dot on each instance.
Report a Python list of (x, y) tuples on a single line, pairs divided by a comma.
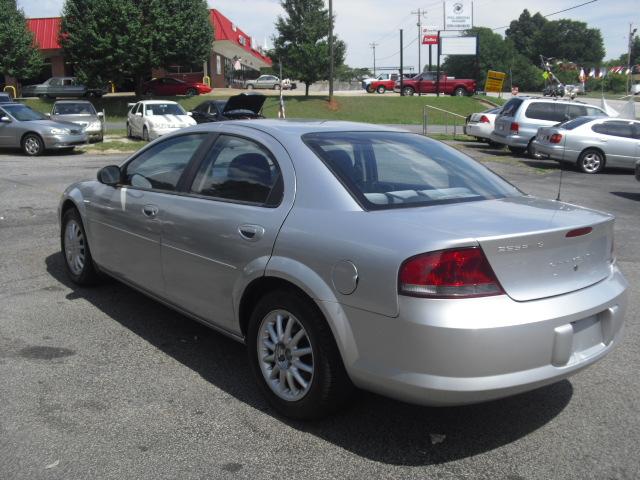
[(587, 337)]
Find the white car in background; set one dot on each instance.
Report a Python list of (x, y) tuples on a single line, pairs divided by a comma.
[(480, 125), (150, 119)]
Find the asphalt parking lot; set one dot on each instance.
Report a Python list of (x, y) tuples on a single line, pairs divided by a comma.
[(105, 383)]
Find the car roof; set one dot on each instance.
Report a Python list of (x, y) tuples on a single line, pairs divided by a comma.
[(300, 127)]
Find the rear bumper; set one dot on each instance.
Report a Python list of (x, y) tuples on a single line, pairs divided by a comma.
[(454, 352), (555, 152), (481, 130), (510, 140)]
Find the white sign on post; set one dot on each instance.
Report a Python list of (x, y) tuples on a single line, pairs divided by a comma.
[(458, 15)]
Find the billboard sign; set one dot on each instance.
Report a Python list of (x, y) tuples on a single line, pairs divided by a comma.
[(458, 15), (429, 35), (495, 81), (458, 45)]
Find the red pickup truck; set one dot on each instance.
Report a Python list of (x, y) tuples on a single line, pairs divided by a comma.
[(426, 82), (381, 86)]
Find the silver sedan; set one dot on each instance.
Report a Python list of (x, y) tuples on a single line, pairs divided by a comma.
[(22, 127), (347, 255), (591, 143)]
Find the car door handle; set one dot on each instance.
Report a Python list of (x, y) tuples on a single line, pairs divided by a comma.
[(150, 211), (251, 233)]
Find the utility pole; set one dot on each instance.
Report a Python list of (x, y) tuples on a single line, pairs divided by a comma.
[(631, 34), (401, 67), (420, 14), (331, 52), (373, 46)]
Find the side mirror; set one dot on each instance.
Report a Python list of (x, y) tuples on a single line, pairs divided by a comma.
[(138, 114), (5, 120), (190, 114), (48, 115), (101, 114), (110, 175)]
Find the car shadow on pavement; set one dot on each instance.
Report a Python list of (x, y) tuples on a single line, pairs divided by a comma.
[(628, 195), (373, 427)]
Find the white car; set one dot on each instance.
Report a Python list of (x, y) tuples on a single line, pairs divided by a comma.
[(480, 125), (150, 119)]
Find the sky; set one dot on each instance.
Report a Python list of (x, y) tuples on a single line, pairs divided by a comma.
[(361, 22)]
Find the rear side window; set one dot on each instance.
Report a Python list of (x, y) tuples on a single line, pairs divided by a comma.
[(385, 170), (241, 170), (615, 129), (548, 111), (511, 107)]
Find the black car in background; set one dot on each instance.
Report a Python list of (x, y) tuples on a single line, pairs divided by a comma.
[(5, 98), (239, 107)]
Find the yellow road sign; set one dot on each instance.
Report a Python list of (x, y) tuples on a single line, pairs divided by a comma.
[(494, 81)]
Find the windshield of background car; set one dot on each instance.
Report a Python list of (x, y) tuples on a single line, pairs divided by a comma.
[(511, 107), (23, 113), (390, 170), (73, 109), (163, 109)]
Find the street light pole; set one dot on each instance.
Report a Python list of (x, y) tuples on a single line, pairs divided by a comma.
[(373, 46), (631, 34), (331, 52), (420, 14)]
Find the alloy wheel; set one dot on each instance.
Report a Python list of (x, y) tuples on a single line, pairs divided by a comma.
[(32, 145), (74, 247), (591, 162), (285, 355)]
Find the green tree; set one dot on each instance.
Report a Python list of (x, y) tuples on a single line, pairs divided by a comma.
[(302, 42), (522, 33), (110, 40), (635, 53), (19, 56), (570, 40)]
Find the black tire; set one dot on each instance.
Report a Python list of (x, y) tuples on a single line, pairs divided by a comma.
[(145, 134), (381, 89), (88, 274), (408, 91), (591, 161), (330, 387), (129, 134), (370, 89), (517, 150), (191, 92), (493, 144), (459, 92), (32, 145)]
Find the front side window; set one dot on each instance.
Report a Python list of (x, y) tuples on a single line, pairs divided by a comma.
[(161, 166), (389, 170), (615, 129), (241, 170)]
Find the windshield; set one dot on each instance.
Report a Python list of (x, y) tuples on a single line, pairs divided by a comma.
[(390, 170), (163, 109), (23, 113), (74, 109)]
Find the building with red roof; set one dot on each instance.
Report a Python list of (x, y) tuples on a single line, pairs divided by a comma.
[(235, 55)]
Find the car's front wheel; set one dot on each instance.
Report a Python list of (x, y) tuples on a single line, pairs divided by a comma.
[(32, 145), (294, 357), (591, 161), (145, 134), (250, 87), (459, 92), (408, 91), (75, 248), (381, 89)]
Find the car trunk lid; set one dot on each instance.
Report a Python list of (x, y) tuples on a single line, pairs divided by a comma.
[(243, 101)]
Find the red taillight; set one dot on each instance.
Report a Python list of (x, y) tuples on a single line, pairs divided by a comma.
[(555, 138), (484, 119), (578, 232), (460, 272), (515, 128)]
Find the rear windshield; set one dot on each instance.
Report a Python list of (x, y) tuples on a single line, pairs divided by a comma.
[(571, 124), (511, 107), (391, 170)]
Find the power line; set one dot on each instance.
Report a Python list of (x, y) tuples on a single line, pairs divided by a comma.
[(555, 13), (398, 52)]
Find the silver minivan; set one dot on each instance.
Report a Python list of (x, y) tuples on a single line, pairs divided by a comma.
[(521, 117)]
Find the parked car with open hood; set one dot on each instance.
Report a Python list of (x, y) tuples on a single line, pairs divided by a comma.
[(168, 86), (517, 124), (80, 112), (150, 119), (23, 127), (348, 254), (61, 87), (238, 107), (592, 143)]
